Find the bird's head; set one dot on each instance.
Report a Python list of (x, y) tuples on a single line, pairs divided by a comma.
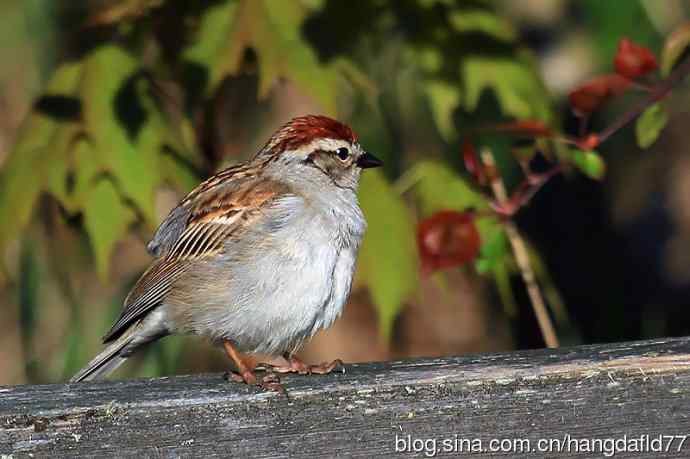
[(318, 149)]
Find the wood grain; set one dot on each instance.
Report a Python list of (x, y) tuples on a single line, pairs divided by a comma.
[(597, 391)]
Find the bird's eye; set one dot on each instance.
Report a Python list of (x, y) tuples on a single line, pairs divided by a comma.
[(343, 153)]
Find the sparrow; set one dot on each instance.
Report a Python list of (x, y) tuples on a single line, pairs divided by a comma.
[(257, 258)]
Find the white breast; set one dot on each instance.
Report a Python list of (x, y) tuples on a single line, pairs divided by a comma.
[(290, 285)]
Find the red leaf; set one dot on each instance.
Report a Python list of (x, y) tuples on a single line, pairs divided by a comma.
[(528, 128), (447, 239), (591, 95), (472, 163), (633, 60)]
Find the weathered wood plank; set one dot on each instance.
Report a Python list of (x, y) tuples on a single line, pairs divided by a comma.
[(600, 391)]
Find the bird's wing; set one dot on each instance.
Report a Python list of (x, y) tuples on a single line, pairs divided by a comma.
[(218, 190), (197, 229)]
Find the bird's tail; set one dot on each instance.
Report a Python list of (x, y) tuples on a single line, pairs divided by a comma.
[(107, 361)]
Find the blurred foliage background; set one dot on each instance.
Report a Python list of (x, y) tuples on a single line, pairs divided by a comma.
[(113, 110)]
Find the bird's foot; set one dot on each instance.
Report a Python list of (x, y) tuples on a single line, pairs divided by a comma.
[(270, 382), (245, 371), (296, 365)]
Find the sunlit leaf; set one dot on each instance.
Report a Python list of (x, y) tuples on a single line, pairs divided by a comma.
[(482, 21), (208, 47), (494, 245), (87, 166), (444, 98), (590, 163), (313, 5), (20, 185), (675, 47), (272, 30), (650, 124), (106, 219), (441, 188), (517, 87), (388, 259), (58, 174), (24, 173), (427, 58), (127, 152), (178, 172)]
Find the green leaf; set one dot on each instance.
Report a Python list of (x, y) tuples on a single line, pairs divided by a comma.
[(482, 21), (178, 173), (209, 46), (608, 22), (440, 188), (517, 87), (650, 124), (494, 245), (273, 30), (87, 167), (20, 185), (106, 219), (61, 150), (24, 173), (590, 163), (427, 58), (444, 98), (676, 46), (388, 258), (131, 157)]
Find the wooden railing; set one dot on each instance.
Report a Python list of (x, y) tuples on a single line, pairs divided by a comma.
[(545, 401)]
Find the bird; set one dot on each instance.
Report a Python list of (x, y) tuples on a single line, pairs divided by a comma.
[(257, 258)]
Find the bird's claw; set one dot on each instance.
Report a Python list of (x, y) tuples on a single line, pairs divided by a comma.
[(295, 365), (269, 382)]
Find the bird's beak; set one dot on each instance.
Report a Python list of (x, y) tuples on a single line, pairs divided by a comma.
[(368, 160)]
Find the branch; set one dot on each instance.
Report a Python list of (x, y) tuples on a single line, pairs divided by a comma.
[(522, 258), (527, 189), (657, 93)]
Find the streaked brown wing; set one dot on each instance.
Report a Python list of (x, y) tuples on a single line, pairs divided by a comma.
[(213, 214), (148, 292)]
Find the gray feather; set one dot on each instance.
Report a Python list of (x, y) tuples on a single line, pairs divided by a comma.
[(168, 232), (140, 333), (106, 362)]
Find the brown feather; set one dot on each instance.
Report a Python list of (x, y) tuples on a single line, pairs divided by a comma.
[(218, 208), (300, 131), (217, 211)]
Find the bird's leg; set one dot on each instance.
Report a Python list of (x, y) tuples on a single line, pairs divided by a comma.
[(296, 365), (245, 365), (245, 370)]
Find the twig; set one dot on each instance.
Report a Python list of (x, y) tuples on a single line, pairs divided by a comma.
[(658, 92), (522, 258), (524, 192), (527, 189)]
